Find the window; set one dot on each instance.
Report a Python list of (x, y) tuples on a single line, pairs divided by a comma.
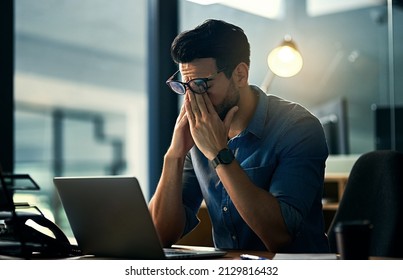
[(80, 100)]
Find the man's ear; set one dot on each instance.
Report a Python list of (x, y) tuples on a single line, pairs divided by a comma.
[(241, 74)]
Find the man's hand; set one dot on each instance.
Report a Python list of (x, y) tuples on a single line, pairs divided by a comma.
[(182, 140), (209, 132)]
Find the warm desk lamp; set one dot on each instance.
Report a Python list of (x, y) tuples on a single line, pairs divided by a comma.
[(284, 61)]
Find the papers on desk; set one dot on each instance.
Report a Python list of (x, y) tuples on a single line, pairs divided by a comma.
[(284, 256)]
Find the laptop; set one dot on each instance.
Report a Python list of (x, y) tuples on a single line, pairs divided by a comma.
[(109, 218)]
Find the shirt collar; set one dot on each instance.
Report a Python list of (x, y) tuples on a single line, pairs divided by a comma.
[(256, 125)]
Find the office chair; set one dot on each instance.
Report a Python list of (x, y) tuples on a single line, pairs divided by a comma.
[(374, 192)]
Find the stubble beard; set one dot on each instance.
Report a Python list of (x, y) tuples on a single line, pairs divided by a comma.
[(231, 100)]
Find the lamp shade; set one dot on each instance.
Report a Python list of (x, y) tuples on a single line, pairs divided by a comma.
[(285, 60)]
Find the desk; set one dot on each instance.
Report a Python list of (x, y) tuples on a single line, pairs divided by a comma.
[(236, 254), (231, 254)]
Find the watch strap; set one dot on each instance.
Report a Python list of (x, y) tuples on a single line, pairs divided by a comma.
[(215, 162)]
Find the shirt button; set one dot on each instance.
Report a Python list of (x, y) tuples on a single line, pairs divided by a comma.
[(225, 209)]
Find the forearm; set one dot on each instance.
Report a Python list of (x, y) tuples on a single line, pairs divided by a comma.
[(166, 205), (258, 207)]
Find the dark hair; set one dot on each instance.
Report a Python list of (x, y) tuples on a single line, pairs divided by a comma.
[(217, 39)]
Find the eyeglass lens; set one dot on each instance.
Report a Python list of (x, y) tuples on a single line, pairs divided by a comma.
[(177, 87), (196, 85)]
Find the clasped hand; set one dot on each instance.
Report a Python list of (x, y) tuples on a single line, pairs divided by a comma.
[(199, 124)]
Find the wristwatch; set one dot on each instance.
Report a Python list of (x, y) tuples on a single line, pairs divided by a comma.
[(225, 156)]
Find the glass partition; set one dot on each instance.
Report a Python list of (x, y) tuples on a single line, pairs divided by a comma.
[(80, 92)]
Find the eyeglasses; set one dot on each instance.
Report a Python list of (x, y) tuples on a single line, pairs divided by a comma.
[(198, 85)]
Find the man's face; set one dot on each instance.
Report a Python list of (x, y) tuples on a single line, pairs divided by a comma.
[(222, 91)]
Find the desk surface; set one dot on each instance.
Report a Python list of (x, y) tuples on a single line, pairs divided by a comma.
[(236, 255)]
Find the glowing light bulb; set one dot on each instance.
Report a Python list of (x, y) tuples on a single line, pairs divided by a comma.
[(285, 60)]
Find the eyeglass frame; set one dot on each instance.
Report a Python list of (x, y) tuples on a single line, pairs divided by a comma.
[(186, 84)]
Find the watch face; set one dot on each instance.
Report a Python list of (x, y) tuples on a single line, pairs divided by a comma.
[(226, 156)]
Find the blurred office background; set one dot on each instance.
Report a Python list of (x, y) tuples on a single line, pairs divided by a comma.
[(82, 84)]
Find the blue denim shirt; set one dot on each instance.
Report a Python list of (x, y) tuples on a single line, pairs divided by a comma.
[(283, 150)]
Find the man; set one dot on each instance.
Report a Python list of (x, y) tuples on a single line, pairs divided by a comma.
[(257, 160)]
